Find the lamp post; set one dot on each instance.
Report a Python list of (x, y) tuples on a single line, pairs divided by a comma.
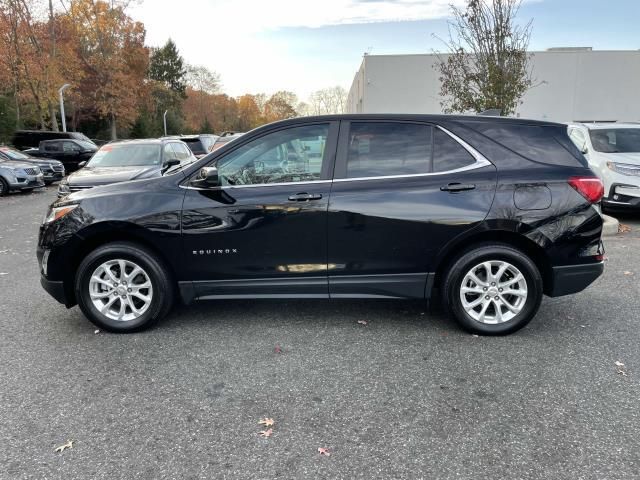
[(62, 116), (164, 119)]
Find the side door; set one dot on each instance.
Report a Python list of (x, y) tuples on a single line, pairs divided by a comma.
[(401, 192), (263, 230)]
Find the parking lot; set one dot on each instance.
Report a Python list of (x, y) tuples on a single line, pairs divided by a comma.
[(406, 395)]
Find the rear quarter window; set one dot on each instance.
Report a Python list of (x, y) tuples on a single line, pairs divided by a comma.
[(542, 144)]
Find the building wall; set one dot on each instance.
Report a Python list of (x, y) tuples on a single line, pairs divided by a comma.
[(570, 85)]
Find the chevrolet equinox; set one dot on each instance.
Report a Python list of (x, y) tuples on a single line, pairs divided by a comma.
[(488, 213)]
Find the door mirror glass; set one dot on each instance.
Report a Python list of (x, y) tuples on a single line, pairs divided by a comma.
[(207, 177)]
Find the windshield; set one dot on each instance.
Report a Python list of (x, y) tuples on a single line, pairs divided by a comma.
[(126, 156), (14, 154), (616, 140)]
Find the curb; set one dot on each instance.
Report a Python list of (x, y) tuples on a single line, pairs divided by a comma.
[(610, 226)]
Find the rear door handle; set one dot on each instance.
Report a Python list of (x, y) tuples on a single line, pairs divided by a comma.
[(304, 197), (457, 187)]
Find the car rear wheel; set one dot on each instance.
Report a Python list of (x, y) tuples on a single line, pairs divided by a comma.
[(123, 287), (493, 289), (4, 187)]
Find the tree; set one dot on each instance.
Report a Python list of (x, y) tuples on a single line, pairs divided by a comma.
[(201, 79), (488, 64), (167, 66), (114, 58), (280, 106), (328, 101)]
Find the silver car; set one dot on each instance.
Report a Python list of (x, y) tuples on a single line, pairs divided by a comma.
[(19, 176)]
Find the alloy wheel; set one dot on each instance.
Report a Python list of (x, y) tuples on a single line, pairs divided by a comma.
[(493, 292), (121, 290)]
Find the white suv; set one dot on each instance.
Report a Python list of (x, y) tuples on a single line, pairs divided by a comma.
[(613, 152)]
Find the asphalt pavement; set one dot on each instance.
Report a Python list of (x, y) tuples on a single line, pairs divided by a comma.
[(406, 395)]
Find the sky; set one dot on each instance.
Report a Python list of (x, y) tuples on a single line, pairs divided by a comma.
[(305, 45)]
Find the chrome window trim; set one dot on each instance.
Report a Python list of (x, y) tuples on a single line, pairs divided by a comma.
[(280, 184)]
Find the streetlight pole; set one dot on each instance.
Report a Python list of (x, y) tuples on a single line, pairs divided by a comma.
[(62, 116), (164, 119)]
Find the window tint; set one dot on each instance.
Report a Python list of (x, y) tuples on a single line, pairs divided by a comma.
[(70, 147), (448, 154), (52, 147), (291, 155), (380, 149)]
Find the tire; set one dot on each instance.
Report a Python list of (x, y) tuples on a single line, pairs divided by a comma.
[(4, 187), (504, 312), (125, 298)]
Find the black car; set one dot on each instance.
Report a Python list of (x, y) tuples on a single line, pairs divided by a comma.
[(23, 139), (52, 170), (70, 152), (127, 160), (488, 213)]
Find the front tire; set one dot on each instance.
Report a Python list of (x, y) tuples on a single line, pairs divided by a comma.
[(4, 187), (123, 287), (493, 289)]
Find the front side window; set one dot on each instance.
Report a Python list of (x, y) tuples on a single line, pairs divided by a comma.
[(182, 151), (70, 147), (379, 149), (51, 147), (292, 155), (616, 140)]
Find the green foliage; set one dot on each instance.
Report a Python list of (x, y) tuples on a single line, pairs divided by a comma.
[(7, 119), (167, 66), (488, 64)]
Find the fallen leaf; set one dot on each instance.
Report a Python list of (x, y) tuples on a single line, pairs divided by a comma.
[(267, 422), (623, 228), (363, 322), (96, 332), (62, 448), (324, 451), (278, 349), (628, 273), (476, 336), (266, 433), (619, 363)]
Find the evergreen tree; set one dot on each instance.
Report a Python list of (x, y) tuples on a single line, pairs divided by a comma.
[(167, 66)]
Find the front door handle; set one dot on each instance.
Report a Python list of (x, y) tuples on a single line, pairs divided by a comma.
[(457, 187), (304, 197)]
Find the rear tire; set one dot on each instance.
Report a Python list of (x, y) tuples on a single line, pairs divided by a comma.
[(496, 303), (123, 287), (4, 187)]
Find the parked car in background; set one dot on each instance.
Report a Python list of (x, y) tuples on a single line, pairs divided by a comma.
[(70, 152), (128, 160), (23, 139), (52, 170), (613, 153), (200, 145), (19, 176), (225, 138), (489, 213)]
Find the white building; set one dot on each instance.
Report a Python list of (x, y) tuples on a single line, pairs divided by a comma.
[(571, 84)]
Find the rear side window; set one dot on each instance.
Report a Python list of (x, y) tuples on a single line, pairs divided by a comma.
[(381, 149), (543, 144), (448, 154)]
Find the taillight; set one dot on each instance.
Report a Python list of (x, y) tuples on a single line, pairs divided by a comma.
[(590, 188)]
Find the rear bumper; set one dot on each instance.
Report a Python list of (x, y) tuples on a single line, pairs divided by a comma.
[(574, 278)]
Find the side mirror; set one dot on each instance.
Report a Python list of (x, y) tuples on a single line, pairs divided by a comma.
[(82, 164), (172, 162), (207, 177)]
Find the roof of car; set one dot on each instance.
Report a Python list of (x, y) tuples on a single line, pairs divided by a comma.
[(605, 125), (143, 141), (421, 117)]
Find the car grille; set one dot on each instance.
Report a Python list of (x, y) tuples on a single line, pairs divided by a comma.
[(77, 188), (58, 168), (32, 171)]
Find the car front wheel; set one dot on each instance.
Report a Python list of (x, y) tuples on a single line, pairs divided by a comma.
[(123, 287), (493, 289)]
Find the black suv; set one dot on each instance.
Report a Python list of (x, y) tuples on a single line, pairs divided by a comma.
[(491, 213), (24, 139), (70, 152)]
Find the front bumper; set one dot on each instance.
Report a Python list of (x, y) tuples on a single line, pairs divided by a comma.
[(28, 183), (55, 289), (574, 278), (622, 196)]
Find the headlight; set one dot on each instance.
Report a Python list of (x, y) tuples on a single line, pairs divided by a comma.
[(58, 212), (63, 187), (624, 168)]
